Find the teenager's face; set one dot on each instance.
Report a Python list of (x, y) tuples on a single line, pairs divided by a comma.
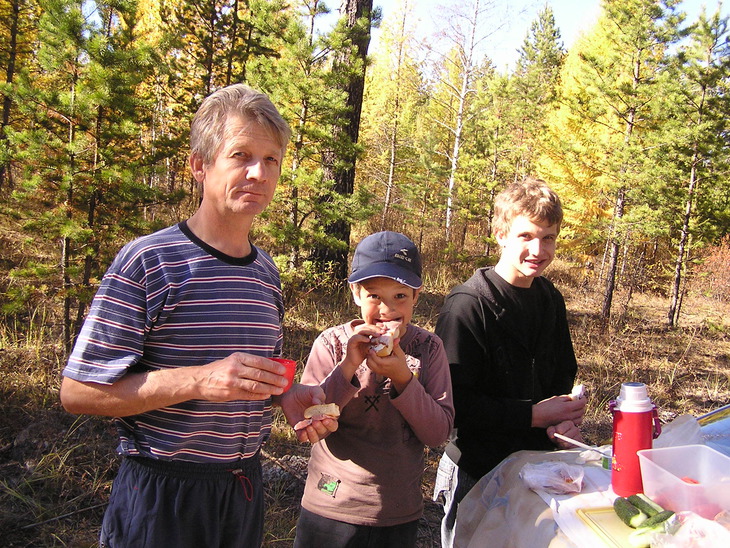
[(527, 250), (382, 300), (243, 176)]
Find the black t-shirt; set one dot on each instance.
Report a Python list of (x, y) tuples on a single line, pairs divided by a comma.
[(529, 303)]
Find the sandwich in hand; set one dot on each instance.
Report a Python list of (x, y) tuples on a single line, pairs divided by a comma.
[(383, 344), (317, 413)]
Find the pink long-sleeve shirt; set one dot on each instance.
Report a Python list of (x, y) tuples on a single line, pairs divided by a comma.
[(369, 471)]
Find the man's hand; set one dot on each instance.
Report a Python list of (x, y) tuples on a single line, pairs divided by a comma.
[(295, 401), (241, 376), (553, 411), (566, 428)]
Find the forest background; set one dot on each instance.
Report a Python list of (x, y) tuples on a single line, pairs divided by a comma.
[(629, 125)]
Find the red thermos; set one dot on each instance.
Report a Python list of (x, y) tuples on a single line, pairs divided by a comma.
[(635, 425)]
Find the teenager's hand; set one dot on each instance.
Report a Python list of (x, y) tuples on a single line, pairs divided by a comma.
[(566, 428), (553, 411), (394, 366), (295, 401)]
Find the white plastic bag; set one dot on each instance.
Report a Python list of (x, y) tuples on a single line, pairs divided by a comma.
[(555, 477), (694, 532), (684, 430)]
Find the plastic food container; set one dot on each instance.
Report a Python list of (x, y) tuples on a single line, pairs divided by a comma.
[(689, 477)]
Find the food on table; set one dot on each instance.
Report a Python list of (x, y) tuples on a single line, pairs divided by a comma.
[(643, 514), (629, 514), (645, 504)]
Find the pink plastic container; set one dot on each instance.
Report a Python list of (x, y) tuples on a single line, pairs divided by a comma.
[(669, 472)]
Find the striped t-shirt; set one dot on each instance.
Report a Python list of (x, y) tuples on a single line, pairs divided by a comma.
[(170, 300)]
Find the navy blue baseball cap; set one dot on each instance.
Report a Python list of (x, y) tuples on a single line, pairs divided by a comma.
[(387, 255)]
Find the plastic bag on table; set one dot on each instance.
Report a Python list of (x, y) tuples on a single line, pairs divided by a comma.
[(684, 430), (694, 532), (556, 477)]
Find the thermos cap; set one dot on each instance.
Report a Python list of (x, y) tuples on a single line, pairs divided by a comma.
[(633, 398)]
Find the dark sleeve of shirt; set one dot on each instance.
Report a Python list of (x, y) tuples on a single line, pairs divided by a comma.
[(567, 365), (485, 397)]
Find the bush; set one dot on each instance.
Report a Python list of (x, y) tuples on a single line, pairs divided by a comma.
[(712, 277)]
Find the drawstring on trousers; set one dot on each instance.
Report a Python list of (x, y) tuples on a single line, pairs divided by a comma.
[(245, 483)]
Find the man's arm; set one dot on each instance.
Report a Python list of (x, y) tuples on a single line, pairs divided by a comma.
[(240, 376)]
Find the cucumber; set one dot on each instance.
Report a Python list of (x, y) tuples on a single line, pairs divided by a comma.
[(663, 522), (645, 504), (641, 538), (657, 519), (629, 514)]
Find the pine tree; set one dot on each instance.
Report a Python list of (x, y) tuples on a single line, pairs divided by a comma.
[(536, 84), (348, 70), (84, 138), (694, 144), (609, 87), (302, 83), (17, 34)]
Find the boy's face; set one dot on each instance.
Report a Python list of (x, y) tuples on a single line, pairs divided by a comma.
[(527, 250), (382, 300)]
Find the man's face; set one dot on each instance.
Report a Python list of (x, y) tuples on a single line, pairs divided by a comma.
[(243, 176), (527, 250)]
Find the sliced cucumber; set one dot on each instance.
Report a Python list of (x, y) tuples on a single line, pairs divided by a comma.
[(645, 504), (629, 514), (657, 519)]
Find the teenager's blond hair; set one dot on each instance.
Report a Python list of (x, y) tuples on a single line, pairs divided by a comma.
[(532, 198)]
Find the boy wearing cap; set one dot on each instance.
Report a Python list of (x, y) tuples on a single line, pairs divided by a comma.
[(364, 482)]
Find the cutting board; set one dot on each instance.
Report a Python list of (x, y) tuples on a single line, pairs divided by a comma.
[(607, 525)]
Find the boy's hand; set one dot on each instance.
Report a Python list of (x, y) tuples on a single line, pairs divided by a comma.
[(358, 347), (553, 411), (394, 366)]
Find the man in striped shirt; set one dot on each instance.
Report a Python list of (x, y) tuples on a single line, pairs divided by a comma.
[(177, 343)]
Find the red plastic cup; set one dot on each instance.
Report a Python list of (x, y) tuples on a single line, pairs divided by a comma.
[(291, 367)]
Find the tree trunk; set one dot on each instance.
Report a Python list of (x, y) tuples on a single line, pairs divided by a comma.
[(673, 313), (6, 178), (466, 80), (339, 166), (613, 259)]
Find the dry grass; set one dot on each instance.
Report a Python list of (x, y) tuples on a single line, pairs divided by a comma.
[(56, 469)]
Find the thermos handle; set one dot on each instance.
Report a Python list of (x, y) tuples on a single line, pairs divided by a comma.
[(657, 423)]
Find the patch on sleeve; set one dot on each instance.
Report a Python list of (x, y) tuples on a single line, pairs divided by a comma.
[(327, 484)]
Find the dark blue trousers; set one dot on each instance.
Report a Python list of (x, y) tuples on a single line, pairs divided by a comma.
[(157, 504)]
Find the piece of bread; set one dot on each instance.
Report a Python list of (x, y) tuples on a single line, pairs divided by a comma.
[(578, 392), (321, 411), (383, 345)]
